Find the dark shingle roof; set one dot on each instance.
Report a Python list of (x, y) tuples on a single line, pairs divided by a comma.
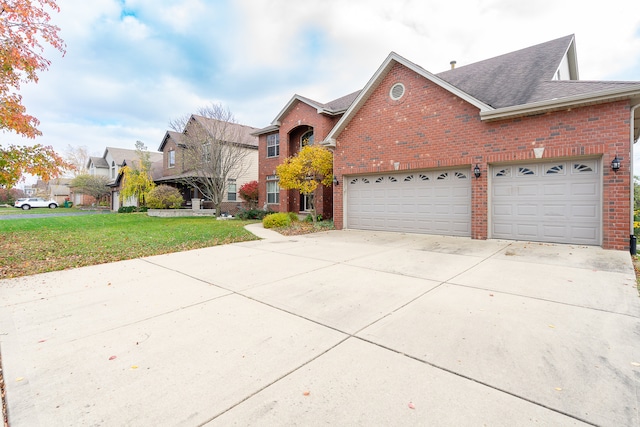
[(342, 103), (512, 78), (557, 89)]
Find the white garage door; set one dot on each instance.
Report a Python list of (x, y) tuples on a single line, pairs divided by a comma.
[(415, 202), (556, 202)]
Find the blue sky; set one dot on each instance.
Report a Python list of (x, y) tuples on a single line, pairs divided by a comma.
[(132, 66)]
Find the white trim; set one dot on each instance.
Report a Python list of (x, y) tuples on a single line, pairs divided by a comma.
[(569, 101)]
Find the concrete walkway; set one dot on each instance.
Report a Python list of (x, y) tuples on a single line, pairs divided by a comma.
[(335, 328)]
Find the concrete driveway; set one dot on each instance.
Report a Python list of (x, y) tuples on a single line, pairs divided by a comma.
[(336, 328)]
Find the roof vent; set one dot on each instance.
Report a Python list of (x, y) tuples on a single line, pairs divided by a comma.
[(453, 64), (397, 91)]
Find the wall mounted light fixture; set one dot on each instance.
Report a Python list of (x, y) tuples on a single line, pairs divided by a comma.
[(476, 171), (615, 163), (335, 180)]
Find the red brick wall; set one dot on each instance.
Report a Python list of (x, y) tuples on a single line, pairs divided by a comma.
[(430, 127), (293, 125)]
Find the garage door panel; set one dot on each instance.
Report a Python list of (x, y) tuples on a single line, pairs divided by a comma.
[(527, 230), (502, 210), (524, 190), (554, 189), (527, 210), (411, 202), (545, 202), (584, 189), (584, 211), (555, 211)]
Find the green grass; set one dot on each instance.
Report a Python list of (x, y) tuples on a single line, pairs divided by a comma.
[(16, 211), (37, 245)]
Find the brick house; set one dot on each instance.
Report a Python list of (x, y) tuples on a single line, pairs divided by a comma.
[(302, 121), (177, 169), (513, 147)]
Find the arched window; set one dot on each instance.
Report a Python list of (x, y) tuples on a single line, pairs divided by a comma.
[(306, 139)]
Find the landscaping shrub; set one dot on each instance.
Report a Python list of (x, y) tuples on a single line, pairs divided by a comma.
[(131, 209), (252, 214), (293, 216), (275, 220), (309, 218), (164, 197)]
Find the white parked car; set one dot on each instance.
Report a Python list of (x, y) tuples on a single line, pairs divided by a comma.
[(35, 202)]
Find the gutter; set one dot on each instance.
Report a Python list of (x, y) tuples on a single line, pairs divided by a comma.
[(558, 103), (632, 237)]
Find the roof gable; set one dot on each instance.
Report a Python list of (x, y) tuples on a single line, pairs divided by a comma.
[(377, 78)]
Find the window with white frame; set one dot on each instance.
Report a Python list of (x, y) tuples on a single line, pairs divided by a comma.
[(273, 190), (113, 170), (231, 190), (273, 145), (171, 158)]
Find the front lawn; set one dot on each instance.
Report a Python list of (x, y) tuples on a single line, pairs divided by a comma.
[(37, 245)]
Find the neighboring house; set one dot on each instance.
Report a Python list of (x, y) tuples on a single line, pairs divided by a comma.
[(56, 189), (29, 191), (302, 121), (111, 164), (513, 147), (176, 167)]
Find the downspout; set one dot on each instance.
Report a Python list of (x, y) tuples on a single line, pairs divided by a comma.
[(632, 237)]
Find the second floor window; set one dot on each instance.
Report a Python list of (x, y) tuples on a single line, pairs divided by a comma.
[(273, 145), (206, 152), (113, 170), (171, 158)]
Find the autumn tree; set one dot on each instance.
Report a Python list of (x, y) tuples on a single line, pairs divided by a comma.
[(250, 193), (306, 172), (215, 151), (15, 161), (91, 185), (24, 28), (136, 179)]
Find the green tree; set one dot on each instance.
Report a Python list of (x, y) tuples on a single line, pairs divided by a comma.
[(306, 172), (92, 185), (136, 179)]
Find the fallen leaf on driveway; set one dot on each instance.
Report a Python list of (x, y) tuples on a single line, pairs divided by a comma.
[(551, 326), (558, 389), (635, 363), (134, 366), (41, 341), (306, 393), (112, 357), (411, 405), (19, 379)]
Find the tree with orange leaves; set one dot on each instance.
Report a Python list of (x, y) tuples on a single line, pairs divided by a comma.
[(24, 27), (35, 160)]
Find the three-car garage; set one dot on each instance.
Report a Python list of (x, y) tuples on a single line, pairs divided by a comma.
[(557, 201)]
